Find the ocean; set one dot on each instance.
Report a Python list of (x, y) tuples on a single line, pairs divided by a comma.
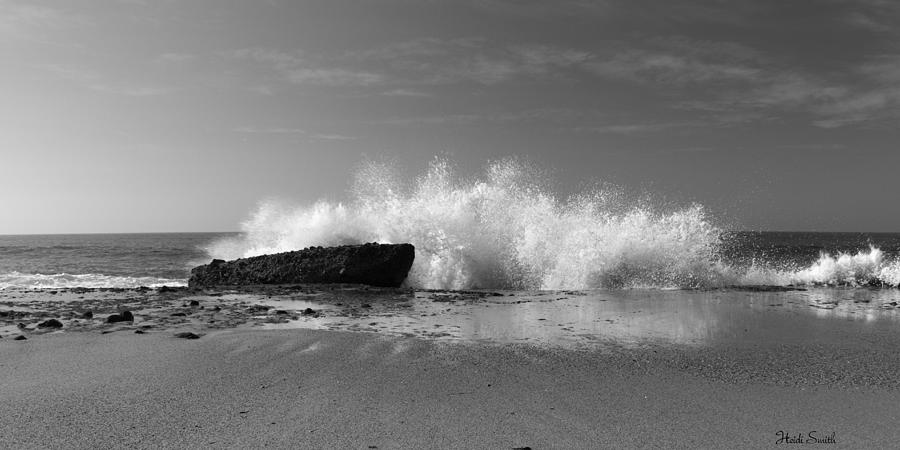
[(507, 229), (101, 260), (165, 259)]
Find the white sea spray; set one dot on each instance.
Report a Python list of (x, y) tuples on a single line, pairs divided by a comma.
[(508, 230), (504, 230)]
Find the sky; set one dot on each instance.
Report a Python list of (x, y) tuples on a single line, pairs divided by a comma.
[(178, 115)]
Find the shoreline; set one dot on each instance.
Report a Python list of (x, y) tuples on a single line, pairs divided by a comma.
[(624, 370), (330, 389)]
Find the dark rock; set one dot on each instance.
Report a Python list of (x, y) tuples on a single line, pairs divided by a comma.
[(88, 315), (194, 303), (178, 314), (21, 325), (138, 331), (281, 312), (187, 335), (20, 338), (124, 316), (308, 312), (163, 289), (373, 264), (52, 323)]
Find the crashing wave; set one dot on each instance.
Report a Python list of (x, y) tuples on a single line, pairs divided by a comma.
[(506, 230), (502, 231), (89, 280)]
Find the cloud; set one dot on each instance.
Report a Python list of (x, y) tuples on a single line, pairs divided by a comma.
[(37, 23), (864, 21), (130, 90), (540, 59), (877, 16), (859, 107), (638, 128), (174, 57), (418, 62), (678, 61), (432, 61), (298, 68), (72, 73), (543, 8), (406, 93), (292, 131), (670, 69), (333, 137), (730, 84), (273, 130), (332, 77), (566, 116), (276, 58), (93, 80)]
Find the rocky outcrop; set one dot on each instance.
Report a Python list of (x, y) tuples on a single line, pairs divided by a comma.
[(374, 264)]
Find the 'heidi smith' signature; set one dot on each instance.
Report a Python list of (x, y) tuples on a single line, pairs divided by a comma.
[(813, 437)]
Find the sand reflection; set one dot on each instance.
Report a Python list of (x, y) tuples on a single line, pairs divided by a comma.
[(630, 317)]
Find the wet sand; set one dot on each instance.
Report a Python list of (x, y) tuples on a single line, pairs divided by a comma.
[(367, 368)]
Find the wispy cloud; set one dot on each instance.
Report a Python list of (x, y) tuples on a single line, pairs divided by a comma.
[(332, 77), (431, 61), (39, 23), (730, 84), (406, 93), (72, 73), (94, 80), (130, 90), (288, 131), (678, 61), (174, 57), (638, 128), (22, 17), (333, 137), (418, 62), (559, 116), (879, 16), (269, 130), (543, 8), (298, 68)]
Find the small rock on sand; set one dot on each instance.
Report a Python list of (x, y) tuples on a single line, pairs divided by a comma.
[(51, 323), (88, 314), (187, 335), (20, 338), (124, 316)]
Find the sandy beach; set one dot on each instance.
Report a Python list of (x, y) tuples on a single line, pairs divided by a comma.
[(735, 383)]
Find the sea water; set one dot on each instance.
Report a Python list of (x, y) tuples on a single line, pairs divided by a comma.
[(505, 229), (101, 260)]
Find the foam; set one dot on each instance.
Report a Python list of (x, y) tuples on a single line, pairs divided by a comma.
[(503, 230), (90, 280)]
